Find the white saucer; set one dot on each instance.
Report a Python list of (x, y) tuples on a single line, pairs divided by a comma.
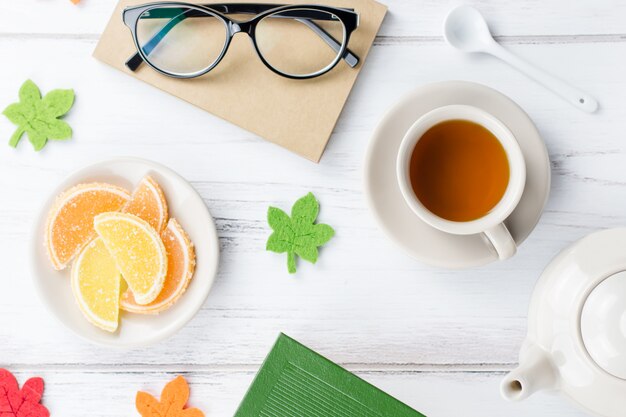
[(420, 240), (184, 204)]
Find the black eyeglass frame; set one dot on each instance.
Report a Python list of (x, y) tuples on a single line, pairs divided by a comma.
[(348, 17)]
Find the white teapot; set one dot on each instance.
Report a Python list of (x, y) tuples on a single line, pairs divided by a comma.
[(576, 340)]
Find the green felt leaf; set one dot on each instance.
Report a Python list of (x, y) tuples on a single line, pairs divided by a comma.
[(322, 233), (38, 117), (57, 102), (18, 113), (16, 136), (277, 218), (291, 262), (307, 252), (58, 130), (277, 243), (305, 209), (29, 92), (38, 139), (298, 234)]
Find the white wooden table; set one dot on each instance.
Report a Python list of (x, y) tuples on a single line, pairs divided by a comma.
[(438, 340)]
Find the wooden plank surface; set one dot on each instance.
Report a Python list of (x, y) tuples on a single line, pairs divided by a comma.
[(407, 18), (423, 334), (99, 393)]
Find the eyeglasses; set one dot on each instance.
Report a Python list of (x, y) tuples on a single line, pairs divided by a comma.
[(185, 40)]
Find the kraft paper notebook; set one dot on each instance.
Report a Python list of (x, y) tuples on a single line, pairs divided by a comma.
[(294, 381), (297, 114)]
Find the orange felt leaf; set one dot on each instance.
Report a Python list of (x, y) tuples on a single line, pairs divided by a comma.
[(173, 400), (75, 1)]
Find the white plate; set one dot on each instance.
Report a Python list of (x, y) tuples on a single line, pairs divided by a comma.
[(184, 204), (420, 240)]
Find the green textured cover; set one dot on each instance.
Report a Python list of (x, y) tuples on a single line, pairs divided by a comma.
[(294, 381)]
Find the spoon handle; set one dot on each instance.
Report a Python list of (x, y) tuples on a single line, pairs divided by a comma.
[(568, 92)]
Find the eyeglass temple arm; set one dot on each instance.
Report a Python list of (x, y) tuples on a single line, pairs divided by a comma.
[(136, 60), (351, 59)]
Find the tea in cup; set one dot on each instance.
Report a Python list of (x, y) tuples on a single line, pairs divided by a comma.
[(462, 171)]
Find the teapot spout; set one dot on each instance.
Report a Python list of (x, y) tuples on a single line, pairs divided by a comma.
[(534, 373)]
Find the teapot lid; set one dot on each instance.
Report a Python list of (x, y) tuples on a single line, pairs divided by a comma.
[(603, 324)]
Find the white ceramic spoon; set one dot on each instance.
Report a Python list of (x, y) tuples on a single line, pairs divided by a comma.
[(466, 29)]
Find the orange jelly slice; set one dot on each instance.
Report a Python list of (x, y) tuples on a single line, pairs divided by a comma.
[(70, 221), (148, 202)]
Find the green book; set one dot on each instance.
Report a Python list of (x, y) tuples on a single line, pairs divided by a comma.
[(294, 381)]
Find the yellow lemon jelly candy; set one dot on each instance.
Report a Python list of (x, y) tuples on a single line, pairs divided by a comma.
[(96, 285), (138, 252)]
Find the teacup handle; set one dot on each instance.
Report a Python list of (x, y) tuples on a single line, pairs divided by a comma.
[(502, 241)]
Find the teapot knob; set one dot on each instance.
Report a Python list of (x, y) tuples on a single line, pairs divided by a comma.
[(534, 373)]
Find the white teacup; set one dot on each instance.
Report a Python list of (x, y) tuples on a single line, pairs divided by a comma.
[(490, 224)]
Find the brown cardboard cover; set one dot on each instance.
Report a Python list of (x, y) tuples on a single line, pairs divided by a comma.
[(297, 114)]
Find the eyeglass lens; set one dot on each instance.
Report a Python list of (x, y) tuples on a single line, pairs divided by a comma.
[(295, 42), (181, 40)]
